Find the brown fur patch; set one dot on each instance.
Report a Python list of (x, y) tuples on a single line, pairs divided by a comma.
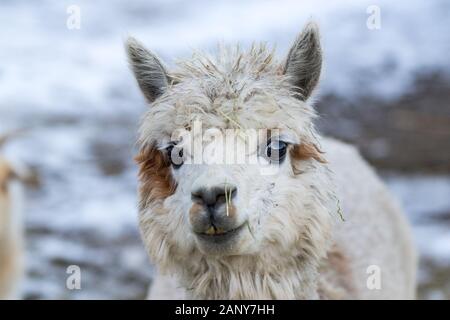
[(336, 276), (195, 213), (232, 211), (305, 151), (195, 210), (154, 174)]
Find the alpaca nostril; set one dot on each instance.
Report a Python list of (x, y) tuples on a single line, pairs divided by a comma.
[(214, 195), (197, 197)]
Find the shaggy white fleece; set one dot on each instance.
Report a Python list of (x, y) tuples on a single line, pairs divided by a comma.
[(323, 226)]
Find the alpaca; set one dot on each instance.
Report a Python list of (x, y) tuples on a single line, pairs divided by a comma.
[(11, 235), (320, 225)]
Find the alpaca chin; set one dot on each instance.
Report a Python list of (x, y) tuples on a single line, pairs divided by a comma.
[(221, 244)]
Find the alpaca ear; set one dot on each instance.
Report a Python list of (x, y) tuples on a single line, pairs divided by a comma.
[(304, 61), (148, 70)]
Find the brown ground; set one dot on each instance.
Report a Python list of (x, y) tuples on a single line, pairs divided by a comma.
[(411, 133)]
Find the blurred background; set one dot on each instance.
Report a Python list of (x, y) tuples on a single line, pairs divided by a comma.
[(385, 88)]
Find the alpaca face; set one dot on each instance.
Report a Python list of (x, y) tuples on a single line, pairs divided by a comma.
[(228, 195), (229, 158)]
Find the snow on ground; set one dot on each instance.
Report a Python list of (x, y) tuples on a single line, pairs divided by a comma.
[(74, 93), (426, 199)]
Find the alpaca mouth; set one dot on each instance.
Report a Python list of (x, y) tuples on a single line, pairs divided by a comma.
[(217, 235)]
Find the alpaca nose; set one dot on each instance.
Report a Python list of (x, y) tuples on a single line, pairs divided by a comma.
[(212, 196)]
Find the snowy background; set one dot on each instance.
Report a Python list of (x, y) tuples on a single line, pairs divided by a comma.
[(386, 90)]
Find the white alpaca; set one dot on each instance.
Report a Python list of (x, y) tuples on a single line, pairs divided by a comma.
[(11, 233), (321, 226)]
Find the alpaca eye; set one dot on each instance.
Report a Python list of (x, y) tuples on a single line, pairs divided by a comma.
[(276, 150), (175, 155)]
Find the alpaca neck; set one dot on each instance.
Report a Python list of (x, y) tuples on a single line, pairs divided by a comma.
[(246, 278)]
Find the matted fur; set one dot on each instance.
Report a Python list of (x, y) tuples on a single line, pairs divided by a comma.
[(293, 217)]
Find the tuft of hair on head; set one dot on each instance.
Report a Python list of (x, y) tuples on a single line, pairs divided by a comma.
[(148, 70), (304, 62)]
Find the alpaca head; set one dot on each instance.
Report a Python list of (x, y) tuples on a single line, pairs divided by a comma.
[(230, 164)]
